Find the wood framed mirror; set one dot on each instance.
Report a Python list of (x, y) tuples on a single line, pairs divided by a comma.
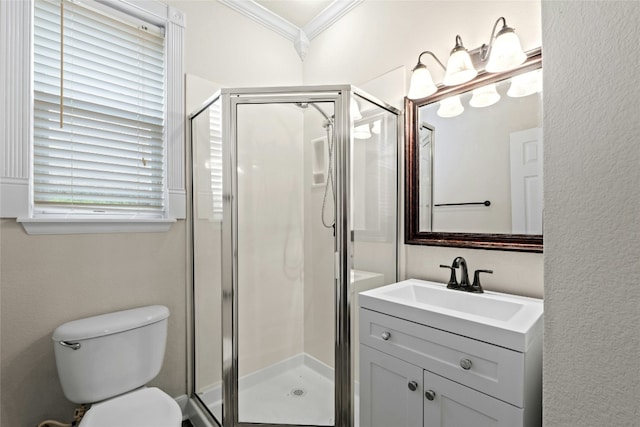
[(474, 168)]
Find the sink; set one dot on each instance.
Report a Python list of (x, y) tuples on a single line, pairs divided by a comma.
[(507, 320), (441, 297)]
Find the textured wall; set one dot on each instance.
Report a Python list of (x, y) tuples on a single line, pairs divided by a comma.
[(592, 205)]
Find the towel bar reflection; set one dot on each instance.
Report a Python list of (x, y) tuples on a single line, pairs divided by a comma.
[(485, 203)]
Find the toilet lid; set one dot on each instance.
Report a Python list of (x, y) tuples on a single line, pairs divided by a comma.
[(147, 407)]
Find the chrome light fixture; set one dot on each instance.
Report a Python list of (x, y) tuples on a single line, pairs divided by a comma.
[(503, 53)]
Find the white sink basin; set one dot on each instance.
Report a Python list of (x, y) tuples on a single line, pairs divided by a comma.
[(507, 320)]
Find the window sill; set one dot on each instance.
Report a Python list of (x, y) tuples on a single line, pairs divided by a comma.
[(36, 226)]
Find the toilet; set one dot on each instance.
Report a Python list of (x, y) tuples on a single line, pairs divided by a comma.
[(107, 360)]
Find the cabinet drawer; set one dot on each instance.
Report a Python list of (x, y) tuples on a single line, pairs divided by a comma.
[(496, 371)]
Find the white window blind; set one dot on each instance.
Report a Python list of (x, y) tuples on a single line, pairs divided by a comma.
[(215, 157), (98, 111)]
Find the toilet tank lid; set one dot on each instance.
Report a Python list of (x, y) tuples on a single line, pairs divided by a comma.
[(110, 323)]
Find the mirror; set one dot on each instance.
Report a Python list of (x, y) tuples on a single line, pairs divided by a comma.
[(474, 162)]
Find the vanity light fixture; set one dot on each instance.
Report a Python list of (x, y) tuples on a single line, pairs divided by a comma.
[(376, 127), (503, 53), (504, 50), (421, 81), (484, 96), (460, 69), (450, 107), (525, 84), (362, 132)]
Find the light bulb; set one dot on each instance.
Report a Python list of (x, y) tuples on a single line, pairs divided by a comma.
[(361, 132), (484, 96), (506, 52), (421, 83), (450, 107), (525, 84)]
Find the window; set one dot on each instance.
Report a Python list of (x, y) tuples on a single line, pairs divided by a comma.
[(98, 141), (111, 148)]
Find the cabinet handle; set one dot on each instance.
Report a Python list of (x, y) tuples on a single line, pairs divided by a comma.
[(413, 386), (386, 335), (465, 364), (430, 394)]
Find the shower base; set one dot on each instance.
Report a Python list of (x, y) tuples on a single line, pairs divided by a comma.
[(298, 390)]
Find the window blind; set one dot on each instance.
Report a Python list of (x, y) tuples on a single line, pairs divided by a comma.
[(98, 143), (215, 157)]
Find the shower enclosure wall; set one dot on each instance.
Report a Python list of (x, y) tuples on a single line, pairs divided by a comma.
[(294, 211)]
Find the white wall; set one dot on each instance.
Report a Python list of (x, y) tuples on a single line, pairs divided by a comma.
[(225, 47), (393, 34), (592, 206)]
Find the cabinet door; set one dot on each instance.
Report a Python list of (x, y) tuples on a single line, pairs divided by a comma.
[(454, 405), (386, 395)]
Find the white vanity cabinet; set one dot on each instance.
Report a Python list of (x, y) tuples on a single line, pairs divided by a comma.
[(413, 374), (395, 393)]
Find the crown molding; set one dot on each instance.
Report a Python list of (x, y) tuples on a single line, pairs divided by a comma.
[(329, 16), (301, 37), (264, 17)]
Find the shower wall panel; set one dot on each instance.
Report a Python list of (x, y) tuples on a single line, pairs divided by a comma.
[(270, 235), (207, 255), (319, 284)]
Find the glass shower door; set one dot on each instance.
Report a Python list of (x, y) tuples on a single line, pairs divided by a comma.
[(285, 263), (207, 211)]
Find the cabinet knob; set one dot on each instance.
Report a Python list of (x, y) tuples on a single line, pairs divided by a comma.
[(413, 386), (385, 335), (465, 364), (430, 394)]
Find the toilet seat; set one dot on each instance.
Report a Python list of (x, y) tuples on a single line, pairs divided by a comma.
[(146, 407)]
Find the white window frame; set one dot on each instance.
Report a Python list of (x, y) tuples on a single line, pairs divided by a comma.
[(16, 121)]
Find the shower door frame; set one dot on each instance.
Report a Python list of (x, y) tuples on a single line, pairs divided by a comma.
[(231, 98), (341, 96)]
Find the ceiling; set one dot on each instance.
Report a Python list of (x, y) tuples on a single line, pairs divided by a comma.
[(298, 12)]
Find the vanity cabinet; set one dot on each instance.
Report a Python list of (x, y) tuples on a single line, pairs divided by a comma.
[(414, 375)]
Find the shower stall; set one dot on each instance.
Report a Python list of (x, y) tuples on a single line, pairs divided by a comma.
[(294, 211)]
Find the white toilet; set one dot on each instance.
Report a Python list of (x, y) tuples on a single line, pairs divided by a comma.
[(106, 360)]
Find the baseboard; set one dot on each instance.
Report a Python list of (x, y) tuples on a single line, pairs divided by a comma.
[(182, 401), (196, 415)]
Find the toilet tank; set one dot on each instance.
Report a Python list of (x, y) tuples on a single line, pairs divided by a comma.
[(103, 356)]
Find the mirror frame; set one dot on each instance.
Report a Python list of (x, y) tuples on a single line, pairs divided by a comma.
[(413, 235)]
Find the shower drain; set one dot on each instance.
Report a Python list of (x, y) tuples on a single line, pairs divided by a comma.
[(297, 392)]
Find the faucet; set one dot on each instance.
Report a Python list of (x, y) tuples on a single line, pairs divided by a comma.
[(464, 284), (461, 263)]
